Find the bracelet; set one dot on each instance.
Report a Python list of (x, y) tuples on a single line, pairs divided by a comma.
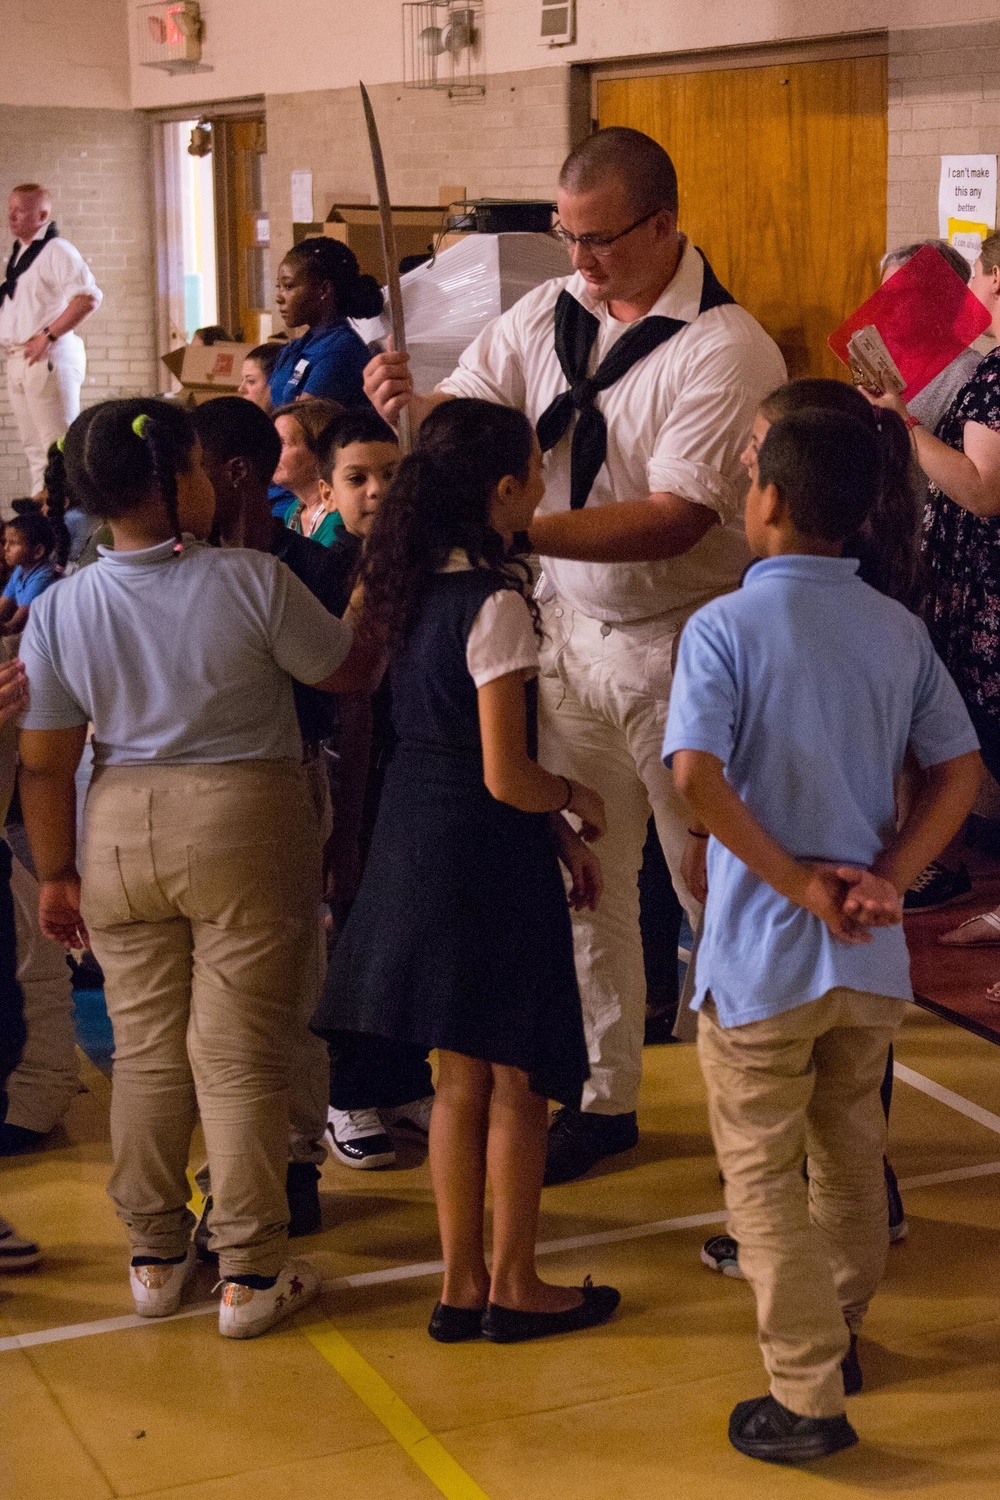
[(699, 835), (912, 422), (564, 806)]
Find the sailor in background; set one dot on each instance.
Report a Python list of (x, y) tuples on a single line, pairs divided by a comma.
[(47, 292)]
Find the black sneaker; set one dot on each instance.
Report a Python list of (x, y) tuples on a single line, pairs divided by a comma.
[(765, 1429), (357, 1138), (302, 1188), (578, 1141), (721, 1253), (937, 886), (898, 1227)]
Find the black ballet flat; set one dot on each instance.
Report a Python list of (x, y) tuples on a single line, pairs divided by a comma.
[(455, 1325), (506, 1325)]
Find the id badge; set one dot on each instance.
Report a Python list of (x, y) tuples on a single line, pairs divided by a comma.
[(298, 375)]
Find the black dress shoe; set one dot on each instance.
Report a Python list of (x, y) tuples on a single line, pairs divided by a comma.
[(578, 1141), (455, 1325), (850, 1368), (302, 1190), (15, 1140), (506, 1325), (765, 1429)]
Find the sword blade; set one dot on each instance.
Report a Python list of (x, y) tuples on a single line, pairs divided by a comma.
[(390, 253)]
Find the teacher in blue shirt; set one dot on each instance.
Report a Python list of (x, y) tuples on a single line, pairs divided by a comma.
[(319, 287)]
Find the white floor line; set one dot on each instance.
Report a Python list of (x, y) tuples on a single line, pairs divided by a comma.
[(947, 1096), (545, 1247)]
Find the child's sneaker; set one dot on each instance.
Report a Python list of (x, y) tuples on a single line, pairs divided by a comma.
[(16, 1253), (157, 1289), (358, 1139), (721, 1253), (245, 1312), (410, 1119), (937, 886)]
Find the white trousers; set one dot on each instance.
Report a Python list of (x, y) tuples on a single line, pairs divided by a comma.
[(603, 696), (44, 1082), (45, 398)]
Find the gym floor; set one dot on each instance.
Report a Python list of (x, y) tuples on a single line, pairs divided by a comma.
[(353, 1400)]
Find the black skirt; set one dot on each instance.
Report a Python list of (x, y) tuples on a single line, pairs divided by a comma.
[(460, 936)]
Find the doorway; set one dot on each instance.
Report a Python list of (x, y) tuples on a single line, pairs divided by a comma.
[(782, 171)]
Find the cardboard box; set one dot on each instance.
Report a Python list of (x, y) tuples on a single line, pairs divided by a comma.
[(206, 372), (357, 225)]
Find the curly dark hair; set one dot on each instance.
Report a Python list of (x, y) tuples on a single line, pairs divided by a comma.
[(56, 503), (887, 543), (439, 501)]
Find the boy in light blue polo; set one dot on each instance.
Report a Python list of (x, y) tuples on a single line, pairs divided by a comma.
[(794, 701)]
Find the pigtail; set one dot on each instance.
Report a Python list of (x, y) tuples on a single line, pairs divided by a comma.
[(55, 504), (163, 467)]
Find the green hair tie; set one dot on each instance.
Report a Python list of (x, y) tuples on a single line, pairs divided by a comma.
[(140, 424), (61, 443)]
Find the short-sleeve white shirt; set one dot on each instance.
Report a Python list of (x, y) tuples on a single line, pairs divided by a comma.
[(59, 274), (677, 423)]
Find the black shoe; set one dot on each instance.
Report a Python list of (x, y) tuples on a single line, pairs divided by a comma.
[(765, 1429), (660, 1028), (15, 1140), (578, 1141), (898, 1227), (505, 1325), (456, 1325), (87, 974), (937, 886), (302, 1187), (850, 1368)]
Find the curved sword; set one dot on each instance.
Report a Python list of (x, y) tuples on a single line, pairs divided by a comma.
[(389, 252)]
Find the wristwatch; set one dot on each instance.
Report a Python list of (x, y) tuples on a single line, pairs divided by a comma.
[(52, 337)]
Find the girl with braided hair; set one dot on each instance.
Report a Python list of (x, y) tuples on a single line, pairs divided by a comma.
[(195, 897)]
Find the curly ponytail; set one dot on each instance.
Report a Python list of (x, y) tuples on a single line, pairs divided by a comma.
[(887, 544), (438, 501), (55, 503)]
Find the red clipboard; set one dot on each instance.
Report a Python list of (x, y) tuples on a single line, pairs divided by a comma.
[(926, 315)]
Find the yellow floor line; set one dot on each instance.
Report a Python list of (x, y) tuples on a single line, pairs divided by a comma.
[(405, 1426)]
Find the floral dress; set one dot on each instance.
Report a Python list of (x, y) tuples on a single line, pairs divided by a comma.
[(962, 555)]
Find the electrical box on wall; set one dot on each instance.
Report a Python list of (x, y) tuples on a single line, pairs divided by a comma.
[(169, 36), (558, 23)]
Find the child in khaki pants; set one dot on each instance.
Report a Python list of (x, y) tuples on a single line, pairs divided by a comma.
[(793, 705)]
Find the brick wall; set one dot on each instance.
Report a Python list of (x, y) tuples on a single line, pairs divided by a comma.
[(509, 143), (98, 165), (944, 99)]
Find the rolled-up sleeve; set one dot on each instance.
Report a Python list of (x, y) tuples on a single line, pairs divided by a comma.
[(67, 274), (696, 453)]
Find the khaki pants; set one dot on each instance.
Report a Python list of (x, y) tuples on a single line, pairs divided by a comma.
[(43, 1084), (804, 1086), (603, 697), (202, 913)]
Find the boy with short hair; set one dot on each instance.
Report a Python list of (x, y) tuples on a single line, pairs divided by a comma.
[(793, 704), (28, 541)]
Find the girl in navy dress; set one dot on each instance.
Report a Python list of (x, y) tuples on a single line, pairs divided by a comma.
[(460, 937)]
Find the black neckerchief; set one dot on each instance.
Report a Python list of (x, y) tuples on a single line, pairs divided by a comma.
[(576, 334), (16, 268)]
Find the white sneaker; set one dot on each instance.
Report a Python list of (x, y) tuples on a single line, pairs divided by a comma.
[(411, 1119), (16, 1253), (244, 1312), (357, 1138), (157, 1290)]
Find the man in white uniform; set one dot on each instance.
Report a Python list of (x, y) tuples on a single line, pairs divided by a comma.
[(47, 292), (643, 378)]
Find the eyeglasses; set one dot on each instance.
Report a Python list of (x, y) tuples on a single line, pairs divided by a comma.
[(598, 244)]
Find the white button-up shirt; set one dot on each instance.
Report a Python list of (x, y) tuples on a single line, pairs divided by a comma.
[(58, 275), (677, 423)]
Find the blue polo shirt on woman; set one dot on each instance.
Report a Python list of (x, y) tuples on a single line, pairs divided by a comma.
[(327, 362), (808, 685)]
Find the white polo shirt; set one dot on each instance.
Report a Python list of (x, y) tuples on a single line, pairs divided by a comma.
[(59, 274), (677, 423)]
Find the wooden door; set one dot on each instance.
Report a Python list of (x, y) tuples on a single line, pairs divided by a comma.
[(244, 273), (782, 173)]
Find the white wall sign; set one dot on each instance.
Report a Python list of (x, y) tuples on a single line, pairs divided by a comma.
[(302, 197), (967, 201)]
